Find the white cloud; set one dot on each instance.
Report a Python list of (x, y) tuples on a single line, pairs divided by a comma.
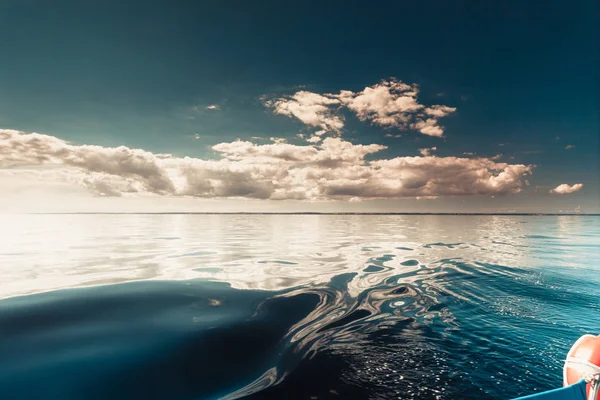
[(311, 108), (566, 189), (213, 107), (426, 152), (569, 147), (389, 104), (439, 111), (331, 169), (314, 139), (331, 153), (428, 127)]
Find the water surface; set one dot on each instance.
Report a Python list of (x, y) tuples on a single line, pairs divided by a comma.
[(292, 306)]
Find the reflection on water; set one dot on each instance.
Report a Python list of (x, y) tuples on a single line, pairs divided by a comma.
[(297, 306)]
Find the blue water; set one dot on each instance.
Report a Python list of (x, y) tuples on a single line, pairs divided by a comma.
[(298, 307)]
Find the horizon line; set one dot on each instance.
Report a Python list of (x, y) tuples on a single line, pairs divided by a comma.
[(303, 213)]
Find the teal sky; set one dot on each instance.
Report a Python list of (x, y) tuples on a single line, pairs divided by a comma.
[(521, 75)]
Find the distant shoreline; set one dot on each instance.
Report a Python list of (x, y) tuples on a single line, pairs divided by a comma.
[(309, 213)]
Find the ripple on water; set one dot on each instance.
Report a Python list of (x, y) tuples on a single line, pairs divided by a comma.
[(295, 307)]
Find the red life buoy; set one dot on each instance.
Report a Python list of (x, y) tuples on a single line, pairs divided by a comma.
[(583, 362)]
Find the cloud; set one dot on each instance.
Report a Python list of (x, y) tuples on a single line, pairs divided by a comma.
[(213, 107), (311, 108), (314, 139), (389, 104), (566, 189), (331, 153), (569, 147), (427, 151), (333, 169), (428, 127), (439, 111)]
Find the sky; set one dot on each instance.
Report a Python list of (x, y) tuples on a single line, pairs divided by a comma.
[(321, 106)]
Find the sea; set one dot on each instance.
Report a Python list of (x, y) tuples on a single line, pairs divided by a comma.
[(266, 306)]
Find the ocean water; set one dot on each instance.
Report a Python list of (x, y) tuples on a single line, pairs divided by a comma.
[(292, 306)]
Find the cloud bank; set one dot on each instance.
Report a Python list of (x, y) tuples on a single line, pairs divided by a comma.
[(566, 189), (330, 170), (388, 104)]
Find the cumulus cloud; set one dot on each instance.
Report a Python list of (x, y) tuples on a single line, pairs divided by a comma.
[(569, 147), (213, 107), (311, 108), (332, 169), (566, 189), (314, 139), (389, 104), (427, 151), (428, 127)]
